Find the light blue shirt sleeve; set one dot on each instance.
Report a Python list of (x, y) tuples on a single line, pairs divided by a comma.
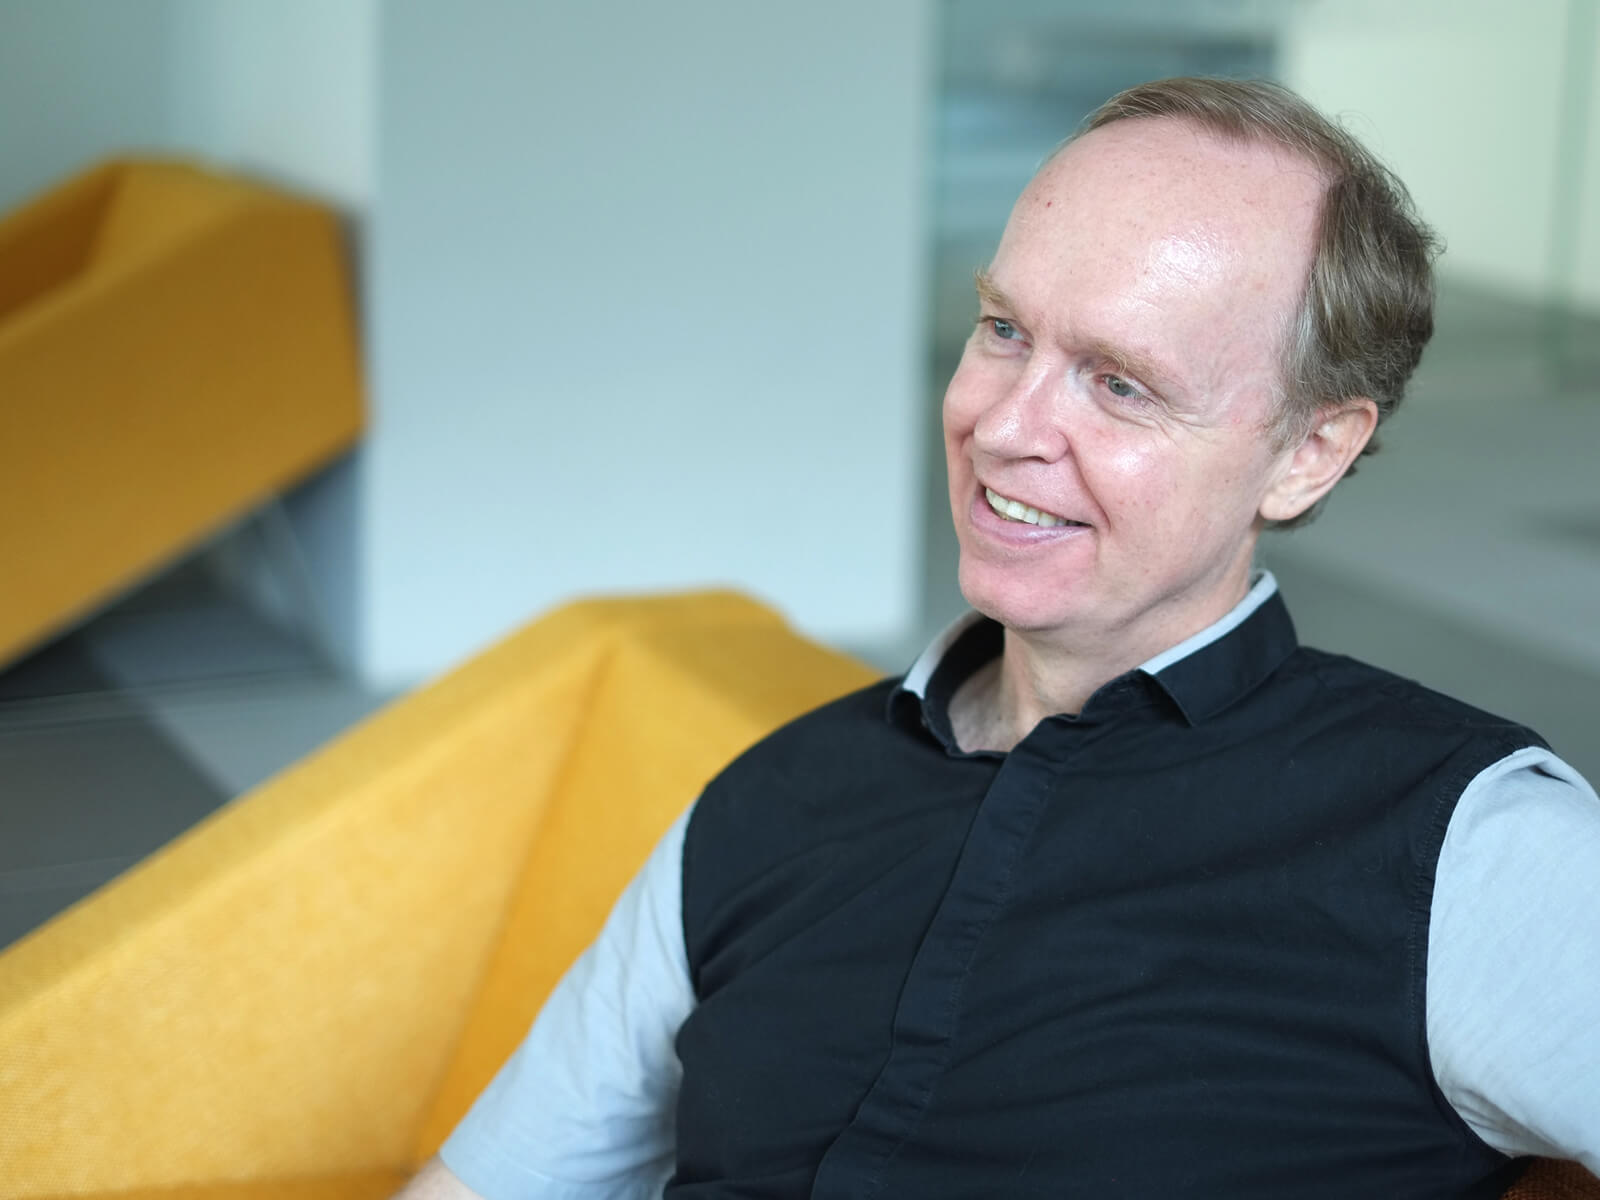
[(585, 1107), (1513, 1012)]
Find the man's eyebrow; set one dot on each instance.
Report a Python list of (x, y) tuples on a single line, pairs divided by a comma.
[(1140, 366), (990, 293)]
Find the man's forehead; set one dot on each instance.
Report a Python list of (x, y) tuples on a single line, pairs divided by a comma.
[(1184, 186), (1153, 235), (1166, 203)]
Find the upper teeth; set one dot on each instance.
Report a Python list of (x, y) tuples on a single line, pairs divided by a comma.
[(1015, 510)]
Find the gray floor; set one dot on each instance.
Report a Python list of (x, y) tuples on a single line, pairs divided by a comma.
[(117, 738), (1467, 556), (91, 784)]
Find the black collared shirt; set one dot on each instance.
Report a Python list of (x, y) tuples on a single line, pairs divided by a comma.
[(1173, 945)]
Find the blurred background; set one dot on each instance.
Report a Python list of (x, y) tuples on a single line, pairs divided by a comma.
[(658, 296)]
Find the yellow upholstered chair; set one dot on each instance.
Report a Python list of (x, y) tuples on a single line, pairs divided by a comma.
[(175, 347), (299, 998)]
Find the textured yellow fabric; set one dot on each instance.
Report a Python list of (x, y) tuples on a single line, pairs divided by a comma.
[(175, 347), (45, 243), (672, 705), (312, 984), (365, 1185)]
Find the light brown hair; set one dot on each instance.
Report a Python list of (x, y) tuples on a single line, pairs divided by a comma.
[(1367, 309)]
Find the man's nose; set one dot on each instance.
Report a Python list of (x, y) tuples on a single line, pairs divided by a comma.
[(1025, 421)]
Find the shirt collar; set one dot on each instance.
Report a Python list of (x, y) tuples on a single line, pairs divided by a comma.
[(1203, 674)]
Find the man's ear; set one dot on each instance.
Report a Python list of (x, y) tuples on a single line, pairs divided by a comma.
[(1320, 461)]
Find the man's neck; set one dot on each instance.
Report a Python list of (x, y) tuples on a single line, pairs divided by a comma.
[(1037, 677), (998, 704)]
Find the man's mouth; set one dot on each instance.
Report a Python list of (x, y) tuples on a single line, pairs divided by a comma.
[(1016, 510)]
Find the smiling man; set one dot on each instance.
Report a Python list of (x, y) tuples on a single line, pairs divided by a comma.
[(1124, 384), (1119, 890)]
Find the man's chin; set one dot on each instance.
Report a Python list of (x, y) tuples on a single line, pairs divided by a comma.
[(1020, 611)]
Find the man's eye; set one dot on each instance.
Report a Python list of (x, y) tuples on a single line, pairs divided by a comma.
[(1120, 387), (1004, 329)]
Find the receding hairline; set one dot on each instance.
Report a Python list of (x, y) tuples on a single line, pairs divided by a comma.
[(1320, 161), (1246, 111), (1284, 150), (1366, 311)]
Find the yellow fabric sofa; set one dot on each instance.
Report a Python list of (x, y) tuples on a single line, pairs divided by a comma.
[(175, 347), (299, 998)]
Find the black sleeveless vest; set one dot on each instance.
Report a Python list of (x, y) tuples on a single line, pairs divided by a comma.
[(1174, 946)]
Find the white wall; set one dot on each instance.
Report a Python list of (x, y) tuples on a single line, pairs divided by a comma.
[(1588, 250), (287, 91), (642, 284), (1462, 98), (79, 80), (283, 90), (647, 308)]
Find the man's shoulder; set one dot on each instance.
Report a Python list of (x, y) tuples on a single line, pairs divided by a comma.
[(813, 740), (817, 777), (1366, 692)]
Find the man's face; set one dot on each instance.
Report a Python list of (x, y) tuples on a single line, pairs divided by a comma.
[(1121, 378)]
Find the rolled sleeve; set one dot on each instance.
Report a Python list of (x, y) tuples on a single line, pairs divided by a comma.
[(585, 1106), (1514, 960)]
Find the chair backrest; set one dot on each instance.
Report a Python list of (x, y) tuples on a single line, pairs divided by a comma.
[(47, 242), (176, 346), (674, 700), (153, 205)]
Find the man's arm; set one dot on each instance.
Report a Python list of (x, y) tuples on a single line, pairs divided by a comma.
[(1513, 1006), (584, 1109), (435, 1182)]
